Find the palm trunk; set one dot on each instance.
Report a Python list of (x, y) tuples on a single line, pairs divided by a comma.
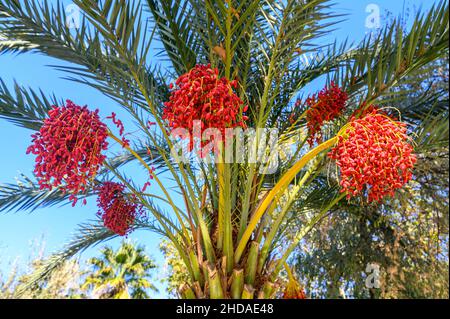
[(239, 263), (247, 282)]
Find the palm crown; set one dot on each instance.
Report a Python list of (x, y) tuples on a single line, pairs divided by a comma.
[(121, 274), (229, 233)]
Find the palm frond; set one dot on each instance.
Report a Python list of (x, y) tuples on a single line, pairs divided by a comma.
[(26, 195), (25, 107), (382, 60), (97, 62), (433, 133), (181, 44)]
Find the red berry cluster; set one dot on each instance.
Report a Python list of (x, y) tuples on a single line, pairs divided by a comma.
[(374, 156), (117, 210), (69, 149), (327, 105), (293, 290), (202, 95)]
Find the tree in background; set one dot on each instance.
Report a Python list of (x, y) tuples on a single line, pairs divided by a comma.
[(175, 271), (406, 237), (121, 274), (63, 283), (124, 273), (233, 64)]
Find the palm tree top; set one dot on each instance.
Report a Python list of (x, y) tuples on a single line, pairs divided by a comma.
[(121, 273)]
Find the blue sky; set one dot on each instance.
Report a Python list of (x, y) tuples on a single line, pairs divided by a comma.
[(19, 229)]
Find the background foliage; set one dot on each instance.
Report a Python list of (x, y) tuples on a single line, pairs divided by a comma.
[(120, 274)]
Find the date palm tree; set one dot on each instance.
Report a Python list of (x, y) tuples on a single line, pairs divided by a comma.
[(120, 274), (230, 232)]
